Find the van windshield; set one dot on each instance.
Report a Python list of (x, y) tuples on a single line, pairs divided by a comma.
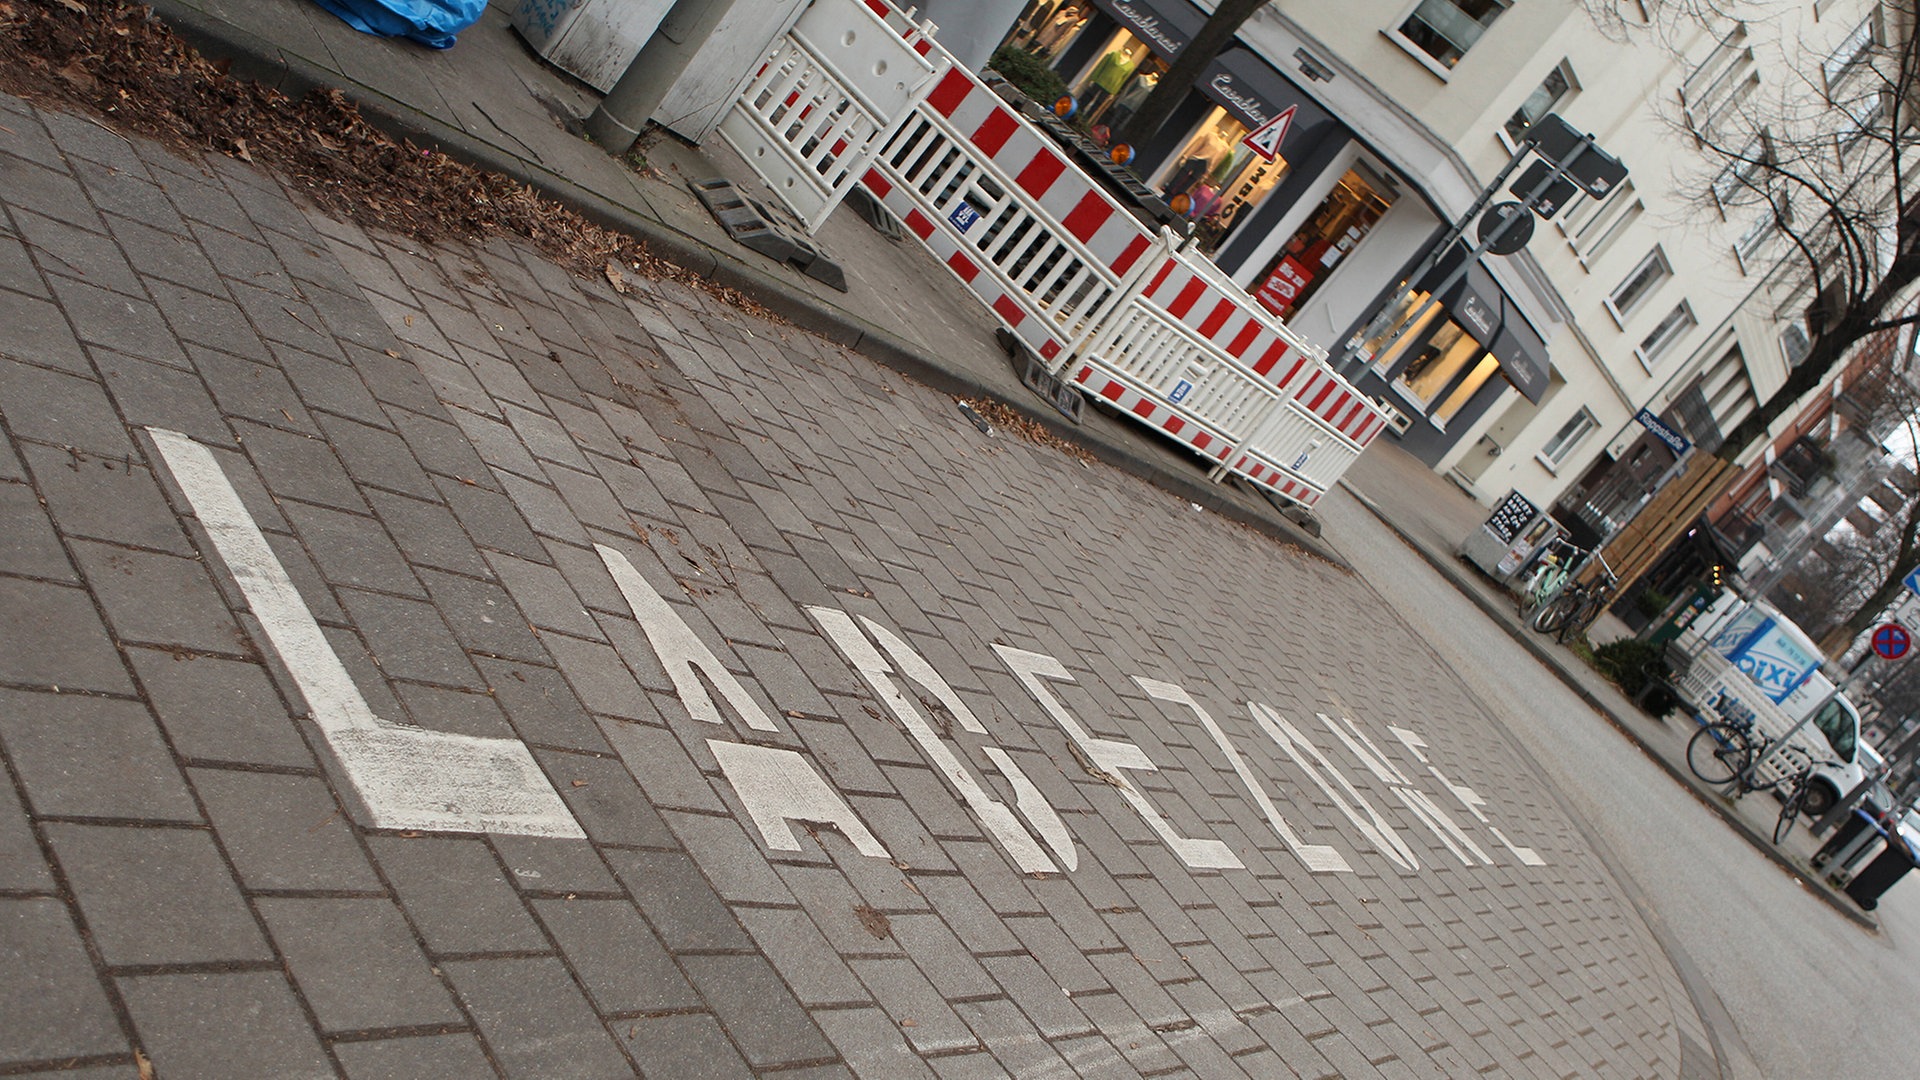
[(1837, 724)]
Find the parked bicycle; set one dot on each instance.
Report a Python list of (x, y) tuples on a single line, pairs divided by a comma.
[(1578, 605), (1795, 804), (1548, 578)]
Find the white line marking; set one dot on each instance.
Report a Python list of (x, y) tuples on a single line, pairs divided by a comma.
[(778, 786), (408, 777)]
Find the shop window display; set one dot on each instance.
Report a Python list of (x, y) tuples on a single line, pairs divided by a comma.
[(1445, 354), (1342, 220), (1216, 179), (1049, 26)]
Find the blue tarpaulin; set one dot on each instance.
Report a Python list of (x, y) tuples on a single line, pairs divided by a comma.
[(429, 22)]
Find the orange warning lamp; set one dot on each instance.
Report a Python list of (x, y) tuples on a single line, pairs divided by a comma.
[(1065, 107)]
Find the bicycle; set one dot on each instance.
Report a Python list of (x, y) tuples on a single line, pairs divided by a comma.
[(1795, 804), (1548, 579), (1578, 605)]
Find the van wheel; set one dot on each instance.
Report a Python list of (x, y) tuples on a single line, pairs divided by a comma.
[(1820, 799)]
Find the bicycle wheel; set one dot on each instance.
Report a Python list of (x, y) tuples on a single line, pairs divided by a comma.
[(1554, 615), (1719, 752), (1790, 812), (1578, 619)]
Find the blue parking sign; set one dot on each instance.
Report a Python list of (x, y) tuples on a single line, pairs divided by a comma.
[(963, 217), (1180, 391), (1913, 580)]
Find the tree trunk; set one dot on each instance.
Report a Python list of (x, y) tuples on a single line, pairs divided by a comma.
[(1152, 114)]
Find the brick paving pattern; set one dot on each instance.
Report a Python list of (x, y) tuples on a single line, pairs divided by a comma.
[(433, 442)]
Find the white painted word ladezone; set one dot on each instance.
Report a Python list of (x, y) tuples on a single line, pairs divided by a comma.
[(407, 777)]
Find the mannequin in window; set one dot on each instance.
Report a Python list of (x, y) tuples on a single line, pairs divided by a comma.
[(1065, 23), (1109, 76), (1205, 152), (1130, 98)]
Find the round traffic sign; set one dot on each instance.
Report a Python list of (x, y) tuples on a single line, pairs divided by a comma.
[(1513, 224), (1891, 641)]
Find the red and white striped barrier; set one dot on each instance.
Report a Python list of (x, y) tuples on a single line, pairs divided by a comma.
[(1105, 302)]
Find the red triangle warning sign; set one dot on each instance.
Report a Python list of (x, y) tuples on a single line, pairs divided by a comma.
[(1265, 140)]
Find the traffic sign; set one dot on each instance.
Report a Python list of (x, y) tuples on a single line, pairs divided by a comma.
[(1913, 580), (1265, 140), (1891, 641)]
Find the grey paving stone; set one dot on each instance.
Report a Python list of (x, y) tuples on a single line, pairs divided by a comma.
[(213, 321), (64, 645), (156, 896), (283, 832), (605, 800), (666, 772), (600, 677), (396, 382), (544, 595), (157, 395), (80, 756), (376, 457), (622, 964), (28, 545), (38, 177), (408, 639), (730, 857), (158, 599), (105, 500), (549, 865), (682, 1047), (65, 410), (164, 253), (282, 317), (300, 466), (22, 866), (241, 1025), (545, 510), (413, 1058), (215, 709), (36, 331), (679, 902), (460, 712), (330, 386), (51, 1002), (540, 705), (428, 533), (536, 1020), (491, 519), (926, 1020), (353, 550), (757, 1009), (456, 895), (872, 1044), (802, 955), (357, 965), (121, 323)]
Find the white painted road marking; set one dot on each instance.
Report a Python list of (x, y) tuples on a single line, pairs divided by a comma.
[(408, 777), (778, 786)]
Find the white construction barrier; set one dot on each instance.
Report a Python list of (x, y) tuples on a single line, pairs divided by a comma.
[(1105, 302)]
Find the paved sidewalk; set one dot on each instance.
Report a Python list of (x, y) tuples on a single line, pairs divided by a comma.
[(491, 101), (1433, 517), (856, 742)]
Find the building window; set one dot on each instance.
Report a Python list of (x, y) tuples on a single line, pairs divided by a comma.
[(1567, 439), (1726, 76), (1669, 330), (1740, 182), (1795, 344), (1638, 285), (1592, 225), (1446, 29), (1551, 91), (1747, 249), (1850, 52)]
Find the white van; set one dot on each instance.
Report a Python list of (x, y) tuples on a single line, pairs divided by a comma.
[(1840, 724)]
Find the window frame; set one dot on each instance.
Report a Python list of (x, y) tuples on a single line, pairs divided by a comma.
[(1509, 136), (1436, 64), (1659, 341), (1554, 453), (1654, 260)]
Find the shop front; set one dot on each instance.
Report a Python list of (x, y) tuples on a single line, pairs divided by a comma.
[(1112, 55), (1452, 359), (1342, 220)]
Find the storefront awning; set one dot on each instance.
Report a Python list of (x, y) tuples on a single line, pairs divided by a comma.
[(1481, 308), (1249, 88), (1522, 355), (1165, 26)]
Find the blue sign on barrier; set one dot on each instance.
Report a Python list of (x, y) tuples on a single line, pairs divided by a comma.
[(963, 217), (1180, 391)]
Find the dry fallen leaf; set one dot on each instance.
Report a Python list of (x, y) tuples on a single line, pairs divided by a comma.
[(140, 1061), (240, 151), (74, 6)]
